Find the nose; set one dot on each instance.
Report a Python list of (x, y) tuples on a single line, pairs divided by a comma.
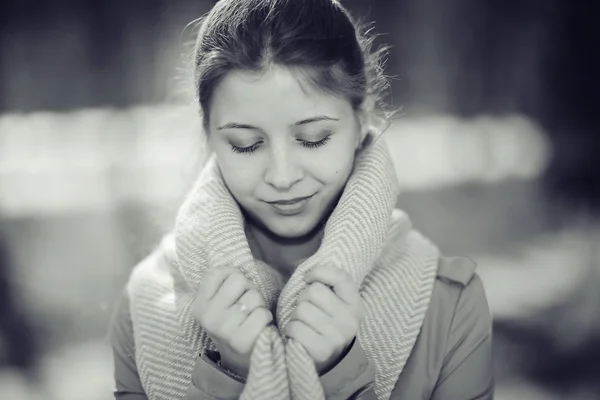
[(282, 169)]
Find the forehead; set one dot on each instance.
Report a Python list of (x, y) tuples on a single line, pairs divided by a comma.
[(278, 93)]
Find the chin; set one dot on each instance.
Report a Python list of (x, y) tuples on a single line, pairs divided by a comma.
[(291, 229)]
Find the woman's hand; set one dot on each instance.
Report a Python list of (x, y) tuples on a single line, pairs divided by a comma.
[(327, 317), (233, 314)]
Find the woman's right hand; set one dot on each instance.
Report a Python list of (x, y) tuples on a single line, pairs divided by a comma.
[(233, 313)]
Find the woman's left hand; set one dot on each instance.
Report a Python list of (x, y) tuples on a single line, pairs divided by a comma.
[(327, 316)]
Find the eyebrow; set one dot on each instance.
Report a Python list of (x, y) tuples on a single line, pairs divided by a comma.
[(315, 119), (235, 125)]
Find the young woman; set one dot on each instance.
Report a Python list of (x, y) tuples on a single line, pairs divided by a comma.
[(289, 273)]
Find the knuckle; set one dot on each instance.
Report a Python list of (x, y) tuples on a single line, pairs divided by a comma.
[(237, 284), (249, 282), (256, 298), (320, 291), (301, 309), (237, 277), (314, 290), (257, 312), (264, 314), (232, 277), (257, 315), (218, 272)]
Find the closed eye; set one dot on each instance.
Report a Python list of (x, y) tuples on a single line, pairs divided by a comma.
[(313, 145), (307, 144), (246, 150)]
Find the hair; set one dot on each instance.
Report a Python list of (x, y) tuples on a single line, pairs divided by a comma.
[(316, 38)]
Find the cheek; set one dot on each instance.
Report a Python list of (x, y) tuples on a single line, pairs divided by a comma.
[(240, 177), (333, 167), (239, 184)]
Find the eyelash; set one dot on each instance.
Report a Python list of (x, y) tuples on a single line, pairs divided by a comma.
[(254, 147)]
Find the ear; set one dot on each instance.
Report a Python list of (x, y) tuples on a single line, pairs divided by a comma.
[(366, 119), (372, 122)]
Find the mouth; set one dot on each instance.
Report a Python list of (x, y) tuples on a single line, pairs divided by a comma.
[(289, 202), (290, 207)]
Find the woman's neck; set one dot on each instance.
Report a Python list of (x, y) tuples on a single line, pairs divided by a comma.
[(283, 254)]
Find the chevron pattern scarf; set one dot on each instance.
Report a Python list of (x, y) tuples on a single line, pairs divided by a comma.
[(393, 265)]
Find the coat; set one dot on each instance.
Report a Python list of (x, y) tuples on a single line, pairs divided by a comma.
[(451, 359)]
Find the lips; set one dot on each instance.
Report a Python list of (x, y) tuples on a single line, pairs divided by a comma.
[(289, 202), (290, 207)]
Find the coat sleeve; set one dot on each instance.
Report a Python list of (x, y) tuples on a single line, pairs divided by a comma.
[(209, 382), (352, 375), (351, 378)]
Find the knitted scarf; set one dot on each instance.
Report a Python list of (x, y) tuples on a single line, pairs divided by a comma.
[(393, 265)]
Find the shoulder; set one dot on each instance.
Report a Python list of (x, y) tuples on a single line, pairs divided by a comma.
[(457, 322), (459, 298), (456, 270), (458, 289), (458, 307)]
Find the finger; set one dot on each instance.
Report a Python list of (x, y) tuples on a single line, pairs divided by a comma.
[(342, 283), (213, 280), (235, 315), (323, 297), (231, 321), (344, 318), (251, 328), (318, 321), (311, 340), (252, 299), (231, 290)]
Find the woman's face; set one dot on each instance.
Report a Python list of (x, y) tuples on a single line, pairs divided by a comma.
[(285, 152)]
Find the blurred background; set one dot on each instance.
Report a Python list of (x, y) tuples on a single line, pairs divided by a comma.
[(495, 148)]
